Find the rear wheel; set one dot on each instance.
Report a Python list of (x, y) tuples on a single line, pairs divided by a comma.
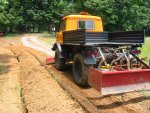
[(80, 70), (59, 62)]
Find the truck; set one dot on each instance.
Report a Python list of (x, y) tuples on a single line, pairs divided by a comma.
[(107, 61)]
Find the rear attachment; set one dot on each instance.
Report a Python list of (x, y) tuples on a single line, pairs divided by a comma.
[(50, 60), (119, 81), (125, 73)]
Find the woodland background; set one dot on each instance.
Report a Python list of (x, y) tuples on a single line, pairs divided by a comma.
[(39, 15)]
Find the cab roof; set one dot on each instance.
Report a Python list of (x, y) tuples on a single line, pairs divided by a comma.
[(82, 16)]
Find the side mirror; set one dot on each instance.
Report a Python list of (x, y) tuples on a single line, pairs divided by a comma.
[(61, 16), (58, 26)]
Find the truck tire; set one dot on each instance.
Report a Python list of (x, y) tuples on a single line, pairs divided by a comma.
[(80, 70), (60, 63)]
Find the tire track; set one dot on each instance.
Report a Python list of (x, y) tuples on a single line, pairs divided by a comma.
[(35, 43), (42, 93), (109, 104)]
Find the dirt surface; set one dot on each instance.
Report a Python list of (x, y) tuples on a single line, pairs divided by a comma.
[(35, 43), (134, 102), (10, 100), (46, 90), (42, 93)]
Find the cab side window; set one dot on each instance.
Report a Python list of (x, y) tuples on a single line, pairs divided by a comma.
[(86, 24), (81, 24), (89, 24), (62, 25)]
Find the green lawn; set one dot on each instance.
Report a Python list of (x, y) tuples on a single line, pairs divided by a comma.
[(145, 50), (12, 38), (45, 36)]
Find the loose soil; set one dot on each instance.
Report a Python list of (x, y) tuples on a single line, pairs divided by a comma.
[(10, 100), (42, 93), (134, 102), (43, 89), (33, 42)]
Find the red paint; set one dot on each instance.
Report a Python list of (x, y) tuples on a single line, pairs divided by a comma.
[(99, 79), (1, 33), (95, 52), (95, 78), (136, 51), (50, 60)]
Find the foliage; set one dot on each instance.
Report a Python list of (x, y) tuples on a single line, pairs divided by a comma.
[(2, 4), (39, 15), (121, 15)]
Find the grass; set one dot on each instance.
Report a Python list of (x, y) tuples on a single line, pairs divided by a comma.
[(12, 38), (11, 35), (146, 50), (2, 69), (48, 38), (146, 53), (45, 36)]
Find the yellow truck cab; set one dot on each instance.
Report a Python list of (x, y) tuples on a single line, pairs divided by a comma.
[(82, 21)]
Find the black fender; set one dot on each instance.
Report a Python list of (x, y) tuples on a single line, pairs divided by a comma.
[(60, 49), (57, 45)]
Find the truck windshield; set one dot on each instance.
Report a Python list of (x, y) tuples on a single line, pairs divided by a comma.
[(85, 24)]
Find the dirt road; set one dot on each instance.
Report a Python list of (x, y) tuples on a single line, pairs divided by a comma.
[(45, 89), (10, 90), (42, 93), (28, 87), (35, 43), (134, 102)]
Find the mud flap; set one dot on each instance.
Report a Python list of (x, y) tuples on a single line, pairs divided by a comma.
[(119, 81), (50, 60)]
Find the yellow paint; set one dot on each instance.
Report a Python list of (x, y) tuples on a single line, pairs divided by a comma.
[(59, 37), (72, 24), (107, 66)]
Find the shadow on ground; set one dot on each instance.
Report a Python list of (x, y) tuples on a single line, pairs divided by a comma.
[(4, 63), (121, 103), (116, 103)]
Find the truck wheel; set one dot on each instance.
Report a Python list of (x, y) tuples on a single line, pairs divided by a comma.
[(80, 70), (59, 62)]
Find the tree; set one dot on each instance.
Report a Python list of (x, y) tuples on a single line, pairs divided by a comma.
[(3, 4), (27, 15), (3, 19), (119, 15)]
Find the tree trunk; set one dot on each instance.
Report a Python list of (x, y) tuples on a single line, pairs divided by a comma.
[(33, 27), (49, 27), (39, 28)]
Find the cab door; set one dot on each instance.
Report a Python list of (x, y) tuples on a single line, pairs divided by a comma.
[(62, 28)]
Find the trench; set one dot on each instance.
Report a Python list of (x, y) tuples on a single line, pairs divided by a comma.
[(110, 103), (70, 88), (22, 97)]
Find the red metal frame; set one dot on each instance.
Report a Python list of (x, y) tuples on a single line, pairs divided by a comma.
[(50, 60), (100, 79)]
